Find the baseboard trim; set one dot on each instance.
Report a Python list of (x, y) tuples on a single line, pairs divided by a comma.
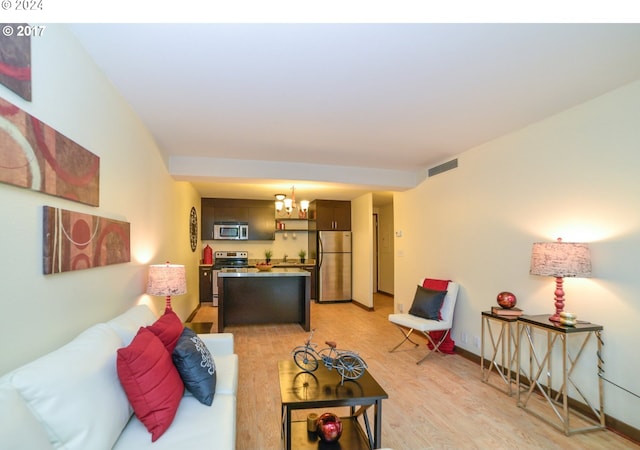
[(365, 307), (611, 423), (193, 314)]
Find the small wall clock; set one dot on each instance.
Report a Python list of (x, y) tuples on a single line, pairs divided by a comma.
[(193, 228)]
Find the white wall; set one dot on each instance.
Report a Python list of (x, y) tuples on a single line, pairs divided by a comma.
[(575, 176), (362, 249), (39, 312)]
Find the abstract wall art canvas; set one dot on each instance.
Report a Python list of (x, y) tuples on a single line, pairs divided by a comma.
[(15, 58), (35, 156), (77, 241)]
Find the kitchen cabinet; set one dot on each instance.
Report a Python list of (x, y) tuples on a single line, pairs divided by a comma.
[(206, 219), (258, 214), (330, 215), (206, 284), (231, 214), (261, 222)]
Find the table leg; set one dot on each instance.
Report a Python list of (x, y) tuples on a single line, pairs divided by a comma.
[(482, 323), (286, 427), (565, 387), (368, 428), (377, 440), (506, 355), (600, 376)]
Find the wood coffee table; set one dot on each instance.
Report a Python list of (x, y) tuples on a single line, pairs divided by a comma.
[(323, 389)]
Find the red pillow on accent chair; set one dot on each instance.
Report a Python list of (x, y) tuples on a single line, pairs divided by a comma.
[(435, 285)]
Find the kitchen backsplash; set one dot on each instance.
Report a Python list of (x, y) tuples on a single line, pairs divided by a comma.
[(289, 243)]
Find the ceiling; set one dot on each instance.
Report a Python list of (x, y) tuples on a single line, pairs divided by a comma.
[(249, 110)]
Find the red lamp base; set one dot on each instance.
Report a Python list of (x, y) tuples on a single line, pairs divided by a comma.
[(559, 300)]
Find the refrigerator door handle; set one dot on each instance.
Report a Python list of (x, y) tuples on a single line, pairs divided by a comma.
[(320, 252)]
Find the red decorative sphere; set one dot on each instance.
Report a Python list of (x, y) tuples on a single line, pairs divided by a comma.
[(506, 299), (329, 427)]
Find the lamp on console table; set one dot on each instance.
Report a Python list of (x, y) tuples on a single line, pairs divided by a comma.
[(560, 259), (167, 279)]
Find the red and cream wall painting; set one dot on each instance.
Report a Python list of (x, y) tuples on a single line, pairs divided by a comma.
[(15, 58), (35, 156), (76, 241)]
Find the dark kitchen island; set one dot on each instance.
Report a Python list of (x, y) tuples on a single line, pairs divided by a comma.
[(248, 296)]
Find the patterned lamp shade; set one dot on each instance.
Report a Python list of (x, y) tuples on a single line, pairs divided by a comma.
[(561, 259), (167, 279)]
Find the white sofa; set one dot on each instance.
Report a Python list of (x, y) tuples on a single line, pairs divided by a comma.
[(72, 398)]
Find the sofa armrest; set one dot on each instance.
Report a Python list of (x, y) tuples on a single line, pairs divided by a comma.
[(219, 344)]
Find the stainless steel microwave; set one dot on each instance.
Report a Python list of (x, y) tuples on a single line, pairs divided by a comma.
[(231, 231)]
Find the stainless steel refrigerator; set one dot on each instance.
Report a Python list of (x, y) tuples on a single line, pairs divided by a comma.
[(334, 266)]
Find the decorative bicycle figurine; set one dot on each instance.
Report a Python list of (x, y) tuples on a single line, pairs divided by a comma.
[(348, 364)]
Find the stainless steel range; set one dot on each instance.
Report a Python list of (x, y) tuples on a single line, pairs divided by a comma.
[(226, 260)]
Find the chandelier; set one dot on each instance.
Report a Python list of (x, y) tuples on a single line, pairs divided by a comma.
[(288, 207)]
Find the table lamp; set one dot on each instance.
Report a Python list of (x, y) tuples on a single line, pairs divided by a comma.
[(560, 259), (167, 279)]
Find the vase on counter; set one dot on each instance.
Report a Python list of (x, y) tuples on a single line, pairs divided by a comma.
[(208, 255)]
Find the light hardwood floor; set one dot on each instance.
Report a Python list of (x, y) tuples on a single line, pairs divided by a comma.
[(440, 404)]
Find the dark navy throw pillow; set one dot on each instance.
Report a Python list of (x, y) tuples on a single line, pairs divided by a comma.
[(196, 366)]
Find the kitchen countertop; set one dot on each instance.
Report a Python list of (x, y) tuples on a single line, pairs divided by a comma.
[(275, 272), (290, 263), (309, 264)]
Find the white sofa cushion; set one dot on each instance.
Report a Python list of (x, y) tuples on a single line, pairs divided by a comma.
[(128, 323), (195, 426), (19, 429), (218, 343), (227, 374), (75, 391)]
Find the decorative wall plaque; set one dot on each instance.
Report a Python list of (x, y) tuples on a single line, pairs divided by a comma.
[(35, 156), (15, 58), (76, 241)]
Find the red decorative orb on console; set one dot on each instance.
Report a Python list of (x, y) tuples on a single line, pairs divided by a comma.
[(507, 300), (329, 427)]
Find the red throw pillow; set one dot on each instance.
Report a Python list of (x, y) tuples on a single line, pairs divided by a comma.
[(168, 328), (151, 381), (436, 285)]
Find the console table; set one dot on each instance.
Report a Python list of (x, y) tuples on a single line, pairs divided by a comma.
[(541, 371), (323, 389), (503, 349)]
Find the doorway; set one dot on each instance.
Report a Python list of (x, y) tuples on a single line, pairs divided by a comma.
[(383, 245), (375, 253)]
